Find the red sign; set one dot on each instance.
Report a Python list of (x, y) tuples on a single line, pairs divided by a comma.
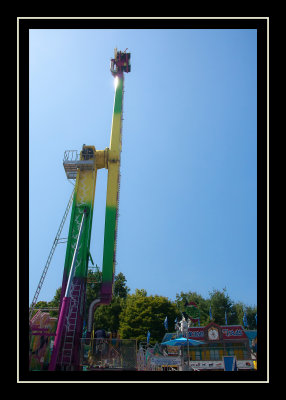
[(228, 332), (197, 333), (233, 332)]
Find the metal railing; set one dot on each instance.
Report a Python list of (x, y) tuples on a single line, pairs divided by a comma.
[(71, 155), (109, 354)]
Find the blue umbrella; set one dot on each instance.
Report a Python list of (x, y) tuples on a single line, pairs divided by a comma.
[(182, 342)]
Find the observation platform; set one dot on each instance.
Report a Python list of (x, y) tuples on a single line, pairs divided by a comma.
[(72, 162)]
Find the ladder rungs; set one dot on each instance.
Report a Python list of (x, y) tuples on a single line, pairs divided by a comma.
[(70, 331), (66, 360), (69, 337), (72, 314), (67, 352), (71, 323)]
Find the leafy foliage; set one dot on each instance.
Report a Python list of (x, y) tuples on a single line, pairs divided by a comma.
[(107, 317), (142, 313), (133, 315), (220, 303)]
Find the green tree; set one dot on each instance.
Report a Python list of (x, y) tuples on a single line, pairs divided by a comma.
[(236, 313), (143, 313), (251, 311), (41, 304), (140, 293), (120, 288), (107, 316), (55, 303), (220, 304)]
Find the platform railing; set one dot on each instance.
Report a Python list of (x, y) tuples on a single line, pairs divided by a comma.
[(71, 155)]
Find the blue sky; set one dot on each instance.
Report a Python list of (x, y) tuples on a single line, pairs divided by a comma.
[(188, 213)]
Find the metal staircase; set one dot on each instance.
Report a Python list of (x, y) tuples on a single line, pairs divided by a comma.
[(71, 323), (48, 262)]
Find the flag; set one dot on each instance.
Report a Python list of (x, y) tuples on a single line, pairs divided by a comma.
[(245, 320), (166, 323), (210, 312), (148, 336), (225, 317)]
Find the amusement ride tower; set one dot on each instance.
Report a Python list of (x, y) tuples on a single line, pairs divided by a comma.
[(66, 349)]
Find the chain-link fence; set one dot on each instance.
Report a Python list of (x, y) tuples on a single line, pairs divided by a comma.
[(109, 354)]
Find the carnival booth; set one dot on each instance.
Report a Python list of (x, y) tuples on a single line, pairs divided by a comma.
[(217, 342)]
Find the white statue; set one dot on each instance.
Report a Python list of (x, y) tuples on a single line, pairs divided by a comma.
[(184, 325)]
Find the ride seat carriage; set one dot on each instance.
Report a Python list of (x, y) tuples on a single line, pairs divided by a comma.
[(122, 62), (127, 65)]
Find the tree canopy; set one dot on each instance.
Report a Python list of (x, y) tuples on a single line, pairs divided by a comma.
[(142, 313), (133, 315)]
